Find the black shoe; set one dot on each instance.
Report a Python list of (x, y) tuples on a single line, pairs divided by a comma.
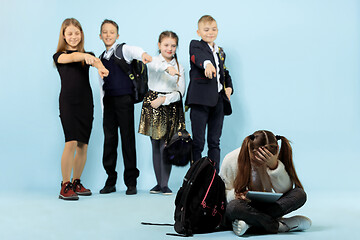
[(156, 189), (108, 189), (166, 191), (131, 190)]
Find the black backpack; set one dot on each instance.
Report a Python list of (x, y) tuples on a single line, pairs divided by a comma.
[(200, 202), (178, 147), (137, 72), (178, 151)]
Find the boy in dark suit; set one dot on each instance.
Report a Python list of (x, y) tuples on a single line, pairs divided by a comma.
[(210, 86)]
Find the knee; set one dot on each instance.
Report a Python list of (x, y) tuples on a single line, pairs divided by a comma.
[(198, 144), (82, 147), (213, 141), (300, 193), (71, 145), (234, 207)]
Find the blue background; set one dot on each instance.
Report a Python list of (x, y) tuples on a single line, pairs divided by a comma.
[(294, 65)]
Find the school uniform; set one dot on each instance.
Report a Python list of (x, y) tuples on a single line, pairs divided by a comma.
[(118, 112), (261, 216), (205, 97), (161, 123), (75, 100)]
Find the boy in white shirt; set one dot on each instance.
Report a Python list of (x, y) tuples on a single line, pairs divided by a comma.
[(118, 102)]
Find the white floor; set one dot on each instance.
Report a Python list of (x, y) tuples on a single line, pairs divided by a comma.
[(117, 216)]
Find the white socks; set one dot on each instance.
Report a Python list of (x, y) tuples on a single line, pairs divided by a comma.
[(240, 227), (295, 223)]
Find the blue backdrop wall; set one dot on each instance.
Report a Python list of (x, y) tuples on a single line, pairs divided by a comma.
[(294, 64)]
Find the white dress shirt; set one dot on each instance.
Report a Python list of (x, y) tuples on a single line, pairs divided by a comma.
[(161, 81), (129, 52), (215, 50)]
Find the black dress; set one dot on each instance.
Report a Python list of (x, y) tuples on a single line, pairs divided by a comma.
[(76, 100)]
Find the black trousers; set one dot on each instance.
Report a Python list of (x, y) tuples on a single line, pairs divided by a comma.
[(212, 117), (263, 216), (119, 113)]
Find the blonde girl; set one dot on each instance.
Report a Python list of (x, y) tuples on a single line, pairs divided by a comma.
[(75, 104)]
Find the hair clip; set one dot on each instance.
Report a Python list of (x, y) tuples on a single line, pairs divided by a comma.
[(278, 137), (252, 137)]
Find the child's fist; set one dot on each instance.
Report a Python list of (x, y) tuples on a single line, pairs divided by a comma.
[(103, 72), (146, 58), (172, 71), (210, 71), (90, 59), (158, 102), (228, 92)]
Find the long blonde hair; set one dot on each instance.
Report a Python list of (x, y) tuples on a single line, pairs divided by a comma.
[(62, 43), (269, 140)]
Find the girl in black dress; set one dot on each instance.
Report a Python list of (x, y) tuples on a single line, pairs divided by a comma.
[(76, 104)]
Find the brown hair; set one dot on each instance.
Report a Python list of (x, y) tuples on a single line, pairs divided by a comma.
[(206, 19), (253, 142), (170, 34), (62, 43), (111, 22)]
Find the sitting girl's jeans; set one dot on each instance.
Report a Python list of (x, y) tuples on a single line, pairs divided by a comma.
[(263, 216)]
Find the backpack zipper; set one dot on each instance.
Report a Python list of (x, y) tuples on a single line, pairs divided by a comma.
[(203, 203)]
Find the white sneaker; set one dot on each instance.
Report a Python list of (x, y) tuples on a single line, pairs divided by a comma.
[(295, 223), (240, 227)]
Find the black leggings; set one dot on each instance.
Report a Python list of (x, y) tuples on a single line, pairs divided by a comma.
[(263, 216)]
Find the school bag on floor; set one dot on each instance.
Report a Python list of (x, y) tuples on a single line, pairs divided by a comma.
[(137, 72), (200, 202)]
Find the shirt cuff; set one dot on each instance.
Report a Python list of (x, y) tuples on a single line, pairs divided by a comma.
[(230, 195), (279, 170), (206, 62)]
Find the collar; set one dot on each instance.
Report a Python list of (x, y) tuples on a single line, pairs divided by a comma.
[(172, 62), (211, 49), (215, 47), (109, 53)]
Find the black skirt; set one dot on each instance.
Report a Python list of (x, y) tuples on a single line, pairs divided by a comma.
[(76, 119), (161, 122)]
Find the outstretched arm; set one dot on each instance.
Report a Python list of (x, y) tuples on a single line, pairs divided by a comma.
[(76, 57), (132, 52), (88, 58)]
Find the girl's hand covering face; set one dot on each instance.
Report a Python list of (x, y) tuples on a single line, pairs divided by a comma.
[(264, 156)]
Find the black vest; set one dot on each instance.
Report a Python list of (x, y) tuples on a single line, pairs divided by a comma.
[(117, 83)]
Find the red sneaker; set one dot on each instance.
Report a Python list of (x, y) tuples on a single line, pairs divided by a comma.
[(79, 189), (67, 192)]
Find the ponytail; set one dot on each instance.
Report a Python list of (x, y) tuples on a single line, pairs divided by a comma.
[(242, 180), (177, 64), (285, 156)]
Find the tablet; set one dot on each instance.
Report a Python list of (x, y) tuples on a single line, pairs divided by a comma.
[(263, 196)]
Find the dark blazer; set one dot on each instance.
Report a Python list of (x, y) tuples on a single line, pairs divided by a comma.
[(203, 90)]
